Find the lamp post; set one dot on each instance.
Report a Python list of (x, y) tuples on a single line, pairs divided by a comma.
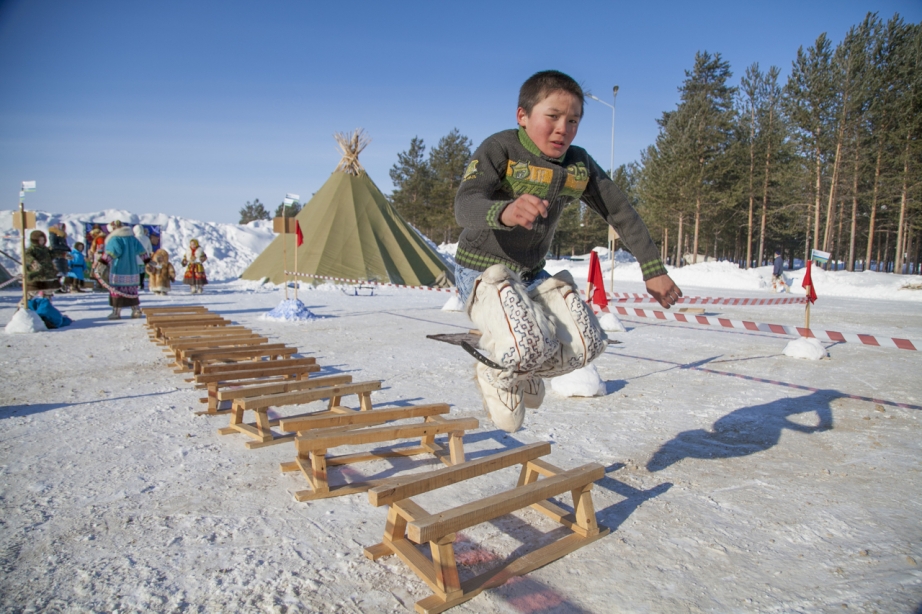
[(611, 170)]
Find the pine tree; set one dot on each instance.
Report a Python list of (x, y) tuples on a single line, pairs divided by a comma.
[(287, 210), (252, 212), (413, 179), (447, 162)]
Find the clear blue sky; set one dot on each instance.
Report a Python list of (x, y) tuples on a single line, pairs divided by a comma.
[(194, 107)]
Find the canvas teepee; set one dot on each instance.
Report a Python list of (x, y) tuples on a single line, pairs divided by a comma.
[(352, 232)]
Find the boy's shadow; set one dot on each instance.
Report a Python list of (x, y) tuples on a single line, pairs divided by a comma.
[(747, 430)]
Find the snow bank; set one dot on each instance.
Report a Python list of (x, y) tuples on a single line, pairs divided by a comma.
[(25, 321), (292, 310), (453, 304), (805, 347), (584, 382), (610, 323)]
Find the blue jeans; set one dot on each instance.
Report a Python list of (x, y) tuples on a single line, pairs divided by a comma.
[(465, 278)]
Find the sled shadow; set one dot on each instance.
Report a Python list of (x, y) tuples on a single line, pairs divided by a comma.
[(747, 430), (19, 411)]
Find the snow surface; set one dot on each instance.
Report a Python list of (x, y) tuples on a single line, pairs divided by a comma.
[(737, 479)]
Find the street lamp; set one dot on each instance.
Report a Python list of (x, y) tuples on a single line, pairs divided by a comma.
[(611, 171), (614, 97)]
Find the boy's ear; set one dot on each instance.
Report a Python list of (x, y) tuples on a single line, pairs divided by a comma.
[(520, 116)]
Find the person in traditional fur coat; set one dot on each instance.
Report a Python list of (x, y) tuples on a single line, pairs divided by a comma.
[(40, 272), (74, 278), (195, 270), (60, 250), (123, 251), (161, 272)]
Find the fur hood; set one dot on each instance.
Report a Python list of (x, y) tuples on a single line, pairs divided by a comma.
[(123, 231), (57, 230)]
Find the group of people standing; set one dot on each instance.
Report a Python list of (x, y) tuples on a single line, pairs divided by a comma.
[(120, 261)]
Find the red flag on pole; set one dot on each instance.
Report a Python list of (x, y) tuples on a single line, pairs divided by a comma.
[(808, 283), (298, 235), (596, 284)]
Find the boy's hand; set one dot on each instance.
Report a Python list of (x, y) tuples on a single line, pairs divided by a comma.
[(664, 290), (523, 211)]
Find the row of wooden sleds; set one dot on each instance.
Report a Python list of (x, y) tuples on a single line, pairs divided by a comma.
[(243, 371)]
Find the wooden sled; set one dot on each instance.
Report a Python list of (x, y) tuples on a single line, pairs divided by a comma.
[(179, 349), (409, 524), (312, 390), (195, 359), (154, 311), (318, 434), (170, 335), (252, 378)]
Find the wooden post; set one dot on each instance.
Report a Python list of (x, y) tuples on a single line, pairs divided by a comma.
[(807, 318), (285, 249), (22, 219)]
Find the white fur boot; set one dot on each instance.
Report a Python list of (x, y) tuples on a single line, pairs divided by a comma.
[(506, 408), (581, 339)]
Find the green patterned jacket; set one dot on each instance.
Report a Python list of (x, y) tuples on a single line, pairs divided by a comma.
[(507, 165)]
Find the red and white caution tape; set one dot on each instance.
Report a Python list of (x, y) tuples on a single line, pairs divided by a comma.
[(11, 281), (630, 297), (370, 283), (779, 329)]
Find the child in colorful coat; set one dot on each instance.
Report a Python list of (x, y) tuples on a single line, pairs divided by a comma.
[(74, 278), (161, 272), (195, 270)]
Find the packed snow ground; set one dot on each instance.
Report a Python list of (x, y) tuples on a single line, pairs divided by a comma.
[(738, 478)]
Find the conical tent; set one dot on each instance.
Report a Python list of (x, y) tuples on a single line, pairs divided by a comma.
[(352, 232)]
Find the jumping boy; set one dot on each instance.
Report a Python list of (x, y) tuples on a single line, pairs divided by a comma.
[(514, 189)]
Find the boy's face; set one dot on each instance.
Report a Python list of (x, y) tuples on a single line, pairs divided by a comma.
[(552, 123)]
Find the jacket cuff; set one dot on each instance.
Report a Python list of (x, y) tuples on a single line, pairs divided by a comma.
[(653, 268), (494, 213)]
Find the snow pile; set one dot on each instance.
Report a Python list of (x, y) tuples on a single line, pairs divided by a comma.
[(25, 321), (292, 310), (808, 348), (610, 323), (453, 304), (584, 382)]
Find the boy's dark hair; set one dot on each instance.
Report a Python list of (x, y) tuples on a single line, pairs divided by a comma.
[(80, 244), (540, 85)]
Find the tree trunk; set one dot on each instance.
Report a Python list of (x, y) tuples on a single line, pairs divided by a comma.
[(869, 252), (898, 260), (752, 170), (830, 206), (768, 157), (854, 227), (678, 244), (817, 199), (697, 226)]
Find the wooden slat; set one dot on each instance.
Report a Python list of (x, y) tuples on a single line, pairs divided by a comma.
[(254, 375), (174, 309), (263, 377), (404, 487), (464, 516), (191, 332), (373, 416), (298, 398), (261, 364), (282, 386), (314, 440), (217, 341), (193, 353)]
